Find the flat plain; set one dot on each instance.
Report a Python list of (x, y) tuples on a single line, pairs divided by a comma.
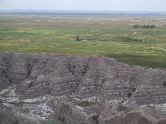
[(83, 36)]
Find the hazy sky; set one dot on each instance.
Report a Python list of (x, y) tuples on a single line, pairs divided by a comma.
[(105, 5)]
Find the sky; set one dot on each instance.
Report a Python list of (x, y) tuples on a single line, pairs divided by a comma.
[(92, 5)]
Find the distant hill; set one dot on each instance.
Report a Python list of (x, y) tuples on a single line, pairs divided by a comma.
[(81, 13)]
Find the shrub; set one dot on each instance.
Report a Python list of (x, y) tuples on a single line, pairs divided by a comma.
[(144, 26), (78, 38)]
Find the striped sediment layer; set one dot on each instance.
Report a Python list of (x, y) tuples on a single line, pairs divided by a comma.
[(36, 75), (102, 79)]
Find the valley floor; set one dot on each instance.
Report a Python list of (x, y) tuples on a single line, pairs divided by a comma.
[(81, 36)]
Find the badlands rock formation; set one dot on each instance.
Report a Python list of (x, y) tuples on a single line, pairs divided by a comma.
[(79, 90)]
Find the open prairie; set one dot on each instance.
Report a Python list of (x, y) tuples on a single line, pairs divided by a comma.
[(104, 36)]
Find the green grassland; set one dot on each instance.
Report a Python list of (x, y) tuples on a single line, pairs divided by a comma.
[(112, 37)]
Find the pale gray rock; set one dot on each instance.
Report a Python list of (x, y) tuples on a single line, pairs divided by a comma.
[(86, 85)]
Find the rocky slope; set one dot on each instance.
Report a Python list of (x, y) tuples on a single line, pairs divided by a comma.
[(75, 90)]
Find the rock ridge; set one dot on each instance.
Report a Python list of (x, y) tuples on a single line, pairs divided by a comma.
[(83, 78)]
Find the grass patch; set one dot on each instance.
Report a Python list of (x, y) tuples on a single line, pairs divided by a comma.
[(146, 61), (87, 36)]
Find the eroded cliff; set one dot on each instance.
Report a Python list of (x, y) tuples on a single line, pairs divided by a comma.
[(81, 90)]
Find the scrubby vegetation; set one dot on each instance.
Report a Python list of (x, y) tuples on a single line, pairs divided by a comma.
[(144, 26), (114, 37)]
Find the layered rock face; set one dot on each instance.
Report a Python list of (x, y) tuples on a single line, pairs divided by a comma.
[(86, 85)]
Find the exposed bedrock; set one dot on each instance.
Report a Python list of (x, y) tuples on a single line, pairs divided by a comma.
[(36, 75)]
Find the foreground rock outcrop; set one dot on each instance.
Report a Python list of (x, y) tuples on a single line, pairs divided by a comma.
[(87, 90)]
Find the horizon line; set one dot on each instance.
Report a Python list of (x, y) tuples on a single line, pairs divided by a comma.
[(106, 11)]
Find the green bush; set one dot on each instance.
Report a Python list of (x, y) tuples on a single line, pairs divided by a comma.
[(144, 26), (78, 38)]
